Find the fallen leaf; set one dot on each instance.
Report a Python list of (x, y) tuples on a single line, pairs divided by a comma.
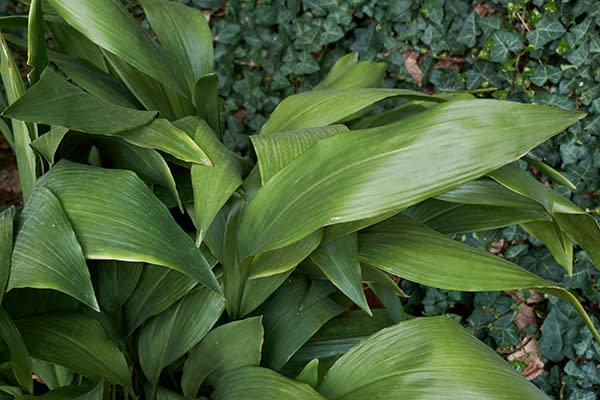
[(412, 66), (450, 62), (531, 355), (485, 9)]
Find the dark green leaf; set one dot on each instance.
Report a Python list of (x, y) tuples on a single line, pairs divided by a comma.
[(76, 341), (6, 247), (396, 355), (170, 334), (18, 352), (227, 347), (250, 383), (136, 225), (338, 259), (356, 169), (47, 254), (36, 45), (54, 101), (546, 30)]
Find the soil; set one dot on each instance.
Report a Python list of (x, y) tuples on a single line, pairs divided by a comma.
[(10, 187)]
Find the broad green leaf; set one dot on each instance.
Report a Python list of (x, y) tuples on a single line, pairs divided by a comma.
[(185, 33), (148, 164), (235, 271), (94, 80), (76, 341), (13, 21), (338, 70), (365, 173), (53, 375), (390, 116), (47, 144), (470, 218), (557, 242), (71, 393), (215, 184), (227, 347), (26, 302), (47, 254), (62, 393), (36, 37), (116, 282), (386, 290), (73, 44), (18, 351), (276, 151), (287, 326), (151, 93), (250, 383), (582, 229), (256, 291), (546, 30), (281, 260), (338, 259), (96, 20), (437, 356), (338, 335), (170, 334), (324, 107), (6, 247), (366, 74), (521, 182), (162, 393), (332, 232), (162, 135), (21, 135), (489, 193), (405, 248), (206, 99), (136, 226), (54, 101), (553, 174), (157, 289), (310, 373)]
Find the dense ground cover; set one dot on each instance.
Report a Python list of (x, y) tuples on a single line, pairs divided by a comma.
[(537, 51), (543, 52)]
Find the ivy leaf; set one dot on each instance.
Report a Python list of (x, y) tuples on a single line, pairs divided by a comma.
[(594, 41), (491, 24), (546, 30), (435, 10), (580, 56), (546, 73), (504, 43), (469, 31), (581, 30), (482, 72), (572, 152), (331, 32), (306, 64), (455, 8)]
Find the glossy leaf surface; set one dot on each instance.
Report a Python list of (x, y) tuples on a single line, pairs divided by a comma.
[(369, 172), (420, 359), (185, 33), (18, 352), (76, 341), (227, 347), (96, 20), (170, 334), (338, 259), (136, 226), (250, 383), (324, 107), (47, 254), (54, 101)]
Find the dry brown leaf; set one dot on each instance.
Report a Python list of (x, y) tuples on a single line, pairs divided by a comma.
[(411, 61), (450, 62), (531, 355), (485, 9)]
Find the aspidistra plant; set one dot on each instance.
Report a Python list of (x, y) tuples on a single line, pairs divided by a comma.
[(106, 292)]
